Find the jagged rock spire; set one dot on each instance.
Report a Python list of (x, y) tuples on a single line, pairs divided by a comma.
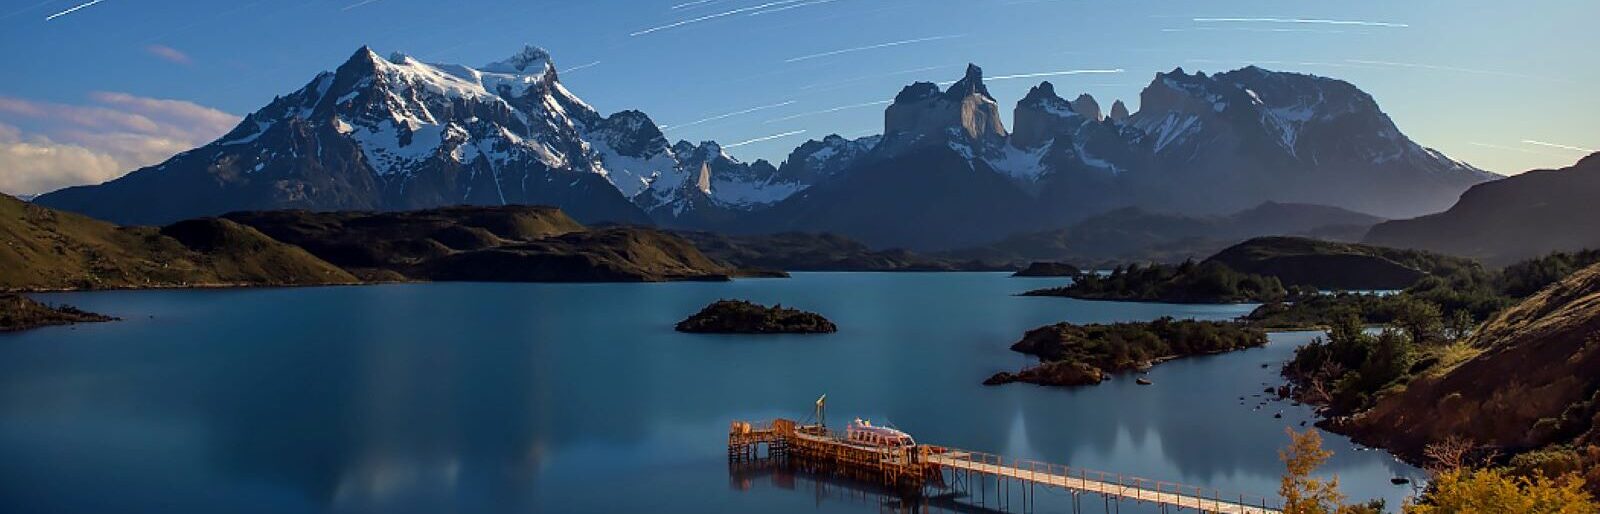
[(1088, 107), (971, 83), (1119, 112)]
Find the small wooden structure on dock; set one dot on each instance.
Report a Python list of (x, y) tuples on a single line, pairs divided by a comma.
[(924, 469)]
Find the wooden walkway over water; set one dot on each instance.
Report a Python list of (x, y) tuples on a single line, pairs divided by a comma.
[(923, 468)]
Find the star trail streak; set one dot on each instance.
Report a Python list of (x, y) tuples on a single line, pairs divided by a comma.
[(74, 9)]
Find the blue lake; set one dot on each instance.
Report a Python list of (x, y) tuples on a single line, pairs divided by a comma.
[(581, 398)]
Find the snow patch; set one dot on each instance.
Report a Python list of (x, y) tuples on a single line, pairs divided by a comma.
[(1173, 128), (1021, 164)]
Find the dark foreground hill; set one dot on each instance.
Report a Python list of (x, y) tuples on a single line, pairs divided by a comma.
[(1140, 235), (45, 249), (1511, 219), (1329, 265), (49, 249), (509, 243)]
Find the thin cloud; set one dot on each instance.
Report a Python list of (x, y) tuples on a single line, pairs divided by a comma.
[(1313, 21), (1054, 74), (73, 9), (872, 47), (578, 67), (169, 54), (707, 17), (830, 85), (1044, 74), (765, 138), (729, 115), (826, 111), (1258, 29), (692, 4), (357, 4), (1516, 149), (1259, 62), (26, 9), (794, 6), (46, 146), (1561, 146), (1449, 68)]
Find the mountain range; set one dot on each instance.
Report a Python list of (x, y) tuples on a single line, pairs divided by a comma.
[(396, 133)]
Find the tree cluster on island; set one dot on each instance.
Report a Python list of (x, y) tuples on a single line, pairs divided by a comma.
[(1071, 354), (744, 317), (1189, 282)]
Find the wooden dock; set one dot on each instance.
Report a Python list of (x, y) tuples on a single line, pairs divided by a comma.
[(925, 468)]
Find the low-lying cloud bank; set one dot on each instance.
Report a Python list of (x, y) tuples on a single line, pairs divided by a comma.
[(45, 146)]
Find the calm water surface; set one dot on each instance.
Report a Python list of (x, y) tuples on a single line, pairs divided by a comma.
[(580, 398)]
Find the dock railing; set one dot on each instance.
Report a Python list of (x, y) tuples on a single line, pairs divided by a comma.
[(1107, 483)]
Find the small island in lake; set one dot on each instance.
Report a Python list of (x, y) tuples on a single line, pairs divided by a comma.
[(19, 312), (743, 317), (1072, 355), (1048, 269), (1189, 282)]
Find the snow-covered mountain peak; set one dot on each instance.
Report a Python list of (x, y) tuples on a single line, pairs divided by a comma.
[(815, 161), (1043, 98), (1319, 127), (704, 152), (531, 60)]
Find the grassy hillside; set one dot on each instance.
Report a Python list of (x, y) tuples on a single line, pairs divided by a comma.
[(1532, 382), (1330, 265), (48, 249)]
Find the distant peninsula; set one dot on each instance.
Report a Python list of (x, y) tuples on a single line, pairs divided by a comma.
[(743, 317), (1075, 355), (1048, 269), (804, 251), (19, 312), (1185, 283)]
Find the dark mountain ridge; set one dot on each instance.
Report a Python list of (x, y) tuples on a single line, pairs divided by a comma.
[(1134, 234), (1519, 217)]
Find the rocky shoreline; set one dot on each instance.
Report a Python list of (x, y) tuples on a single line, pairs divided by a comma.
[(1076, 355), (19, 313)]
